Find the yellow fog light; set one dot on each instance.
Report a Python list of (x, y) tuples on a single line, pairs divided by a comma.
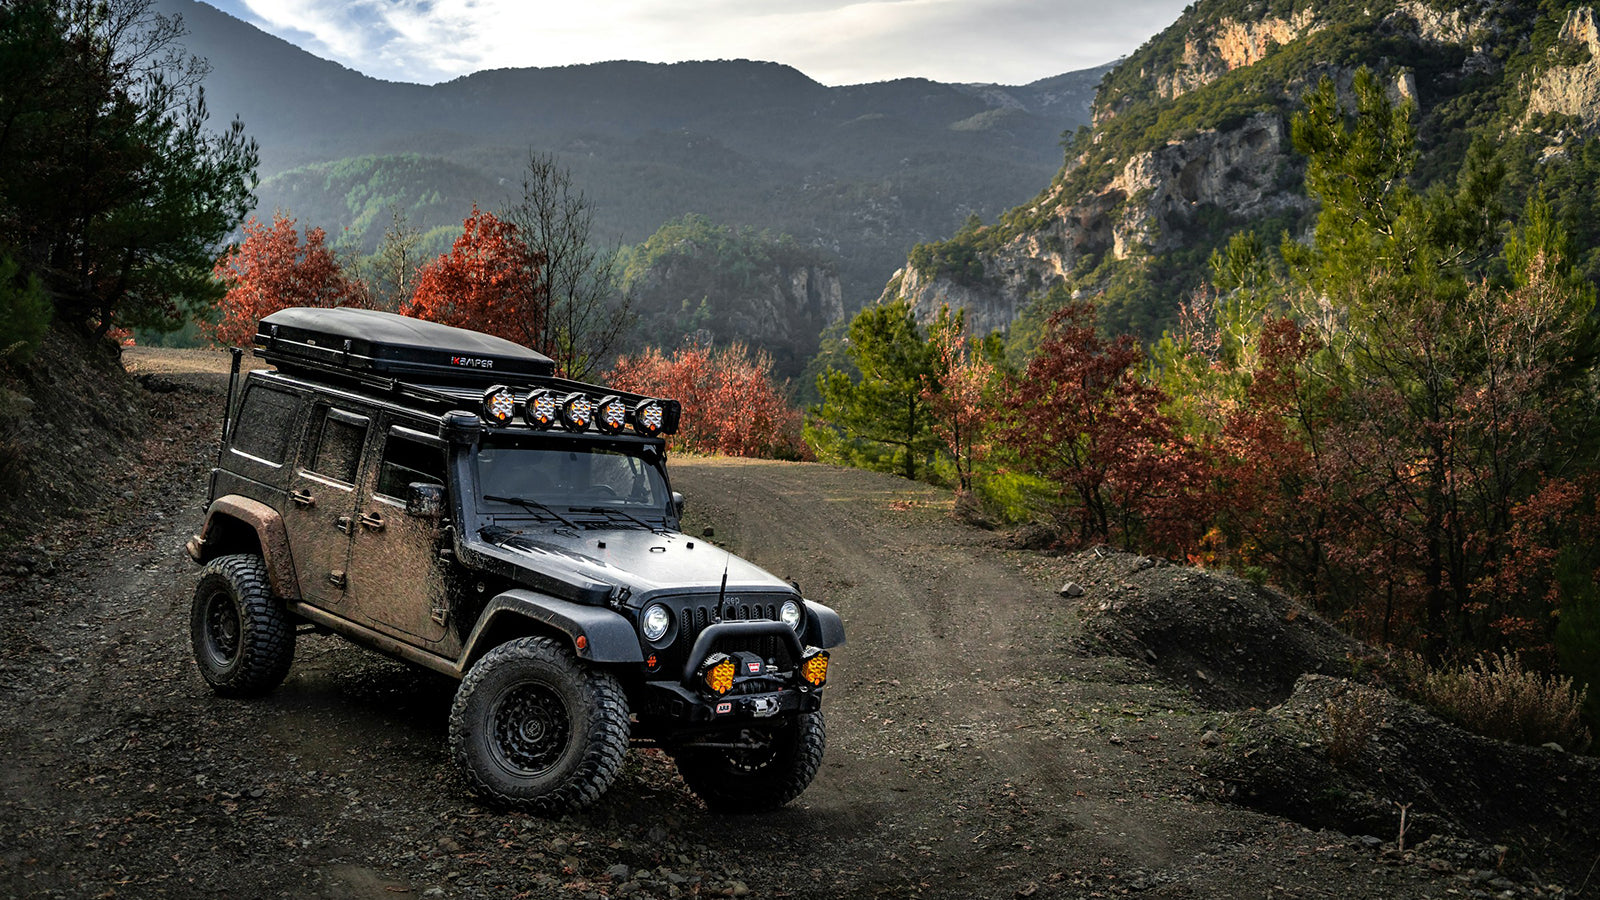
[(717, 673), (815, 668)]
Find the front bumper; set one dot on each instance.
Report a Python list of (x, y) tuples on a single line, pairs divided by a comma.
[(668, 702), (762, 688)]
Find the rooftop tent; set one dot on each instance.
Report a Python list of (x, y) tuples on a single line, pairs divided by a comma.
[(367, 342)]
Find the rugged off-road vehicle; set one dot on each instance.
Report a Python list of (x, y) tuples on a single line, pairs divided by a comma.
[(438, 495)]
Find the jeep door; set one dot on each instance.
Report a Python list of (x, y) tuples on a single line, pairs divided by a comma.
[(396, 579), (320, 516)]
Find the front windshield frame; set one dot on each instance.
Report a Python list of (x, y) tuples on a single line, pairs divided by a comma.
[(596, 475)]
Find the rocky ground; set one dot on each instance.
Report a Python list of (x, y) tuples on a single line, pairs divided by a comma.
[(1002, 724)]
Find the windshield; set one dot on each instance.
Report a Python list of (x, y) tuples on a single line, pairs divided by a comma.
[(572, 474)]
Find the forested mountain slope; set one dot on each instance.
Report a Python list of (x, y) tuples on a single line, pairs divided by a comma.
[(1191, 143), (860, 172)]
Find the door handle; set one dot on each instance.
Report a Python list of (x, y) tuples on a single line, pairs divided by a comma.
[(303, 498), (372, 521), (345, 524)]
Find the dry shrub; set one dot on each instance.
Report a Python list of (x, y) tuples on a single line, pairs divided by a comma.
[(1350, 724), (1498, 698)]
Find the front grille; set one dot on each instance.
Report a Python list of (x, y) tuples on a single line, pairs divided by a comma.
[(695, 616)]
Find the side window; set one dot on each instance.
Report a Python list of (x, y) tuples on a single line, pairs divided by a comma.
[(337, 452), (266, 418), (405, 460)]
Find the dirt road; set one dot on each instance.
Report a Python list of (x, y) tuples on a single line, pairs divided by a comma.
[(972, 752)]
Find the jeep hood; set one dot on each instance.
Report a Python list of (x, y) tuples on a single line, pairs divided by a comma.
[(645, 562)]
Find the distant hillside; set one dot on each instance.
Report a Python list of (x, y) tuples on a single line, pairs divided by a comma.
[(1190, 143), (714, 284), (860, 173)]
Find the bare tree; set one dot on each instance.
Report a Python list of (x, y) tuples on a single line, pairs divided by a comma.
[(588, 310), (392, 270)]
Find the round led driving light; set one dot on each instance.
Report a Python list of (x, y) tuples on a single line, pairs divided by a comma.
[(655, 622), (611, 416), (648, 417), (790, 614), (542, 408), (499, 404), (577, 411)]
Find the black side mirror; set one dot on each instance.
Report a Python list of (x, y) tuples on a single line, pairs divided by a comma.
[(677, 504), (424, 500)]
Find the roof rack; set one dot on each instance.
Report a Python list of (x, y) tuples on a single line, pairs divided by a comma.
[(395, 354)]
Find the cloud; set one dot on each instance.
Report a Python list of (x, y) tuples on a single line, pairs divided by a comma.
[(833, 41)]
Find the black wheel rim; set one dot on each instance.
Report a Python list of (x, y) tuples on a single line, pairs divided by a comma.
[(222, 630), (753, 759), (528, 728)]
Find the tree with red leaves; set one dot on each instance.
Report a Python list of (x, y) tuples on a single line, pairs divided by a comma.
[(1082, 417), (271, 270), (958, 394), (488, 282), (730, 403)]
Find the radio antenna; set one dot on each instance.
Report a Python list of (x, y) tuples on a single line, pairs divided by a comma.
[(722, 592)]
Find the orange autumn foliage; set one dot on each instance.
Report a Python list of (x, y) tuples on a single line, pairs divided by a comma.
[(730, 403), (272, 270), (488, 282)]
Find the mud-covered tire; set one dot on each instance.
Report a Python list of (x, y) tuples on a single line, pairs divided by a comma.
[(757, 780), (242, 638), (533, 729)]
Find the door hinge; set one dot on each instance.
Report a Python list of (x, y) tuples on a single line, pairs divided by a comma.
[(338, 580)]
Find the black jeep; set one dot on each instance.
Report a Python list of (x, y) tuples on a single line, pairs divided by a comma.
[(438, 495)]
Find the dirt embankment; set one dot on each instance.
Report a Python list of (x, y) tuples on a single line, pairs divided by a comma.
[(988, 736)]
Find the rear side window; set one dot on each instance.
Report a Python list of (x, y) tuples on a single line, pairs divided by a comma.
[(339, 438), (407, 460), (266, 420)]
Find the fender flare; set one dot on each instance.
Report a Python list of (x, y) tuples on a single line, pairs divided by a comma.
[(823, 626), (610, 637), (266, 523)]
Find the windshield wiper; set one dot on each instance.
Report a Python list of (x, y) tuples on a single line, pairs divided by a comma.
[(611, 510), (531, 504)]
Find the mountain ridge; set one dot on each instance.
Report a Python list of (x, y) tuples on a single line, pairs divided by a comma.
[(860, 173)]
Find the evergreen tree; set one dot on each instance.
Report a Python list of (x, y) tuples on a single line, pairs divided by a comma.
[(883, 420), (112, 189)]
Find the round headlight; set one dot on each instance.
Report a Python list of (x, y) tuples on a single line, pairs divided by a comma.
[(655, 622), (790, 614)]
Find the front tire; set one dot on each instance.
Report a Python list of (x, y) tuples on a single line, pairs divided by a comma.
[(533, 729), (758, 779), (242, 637)]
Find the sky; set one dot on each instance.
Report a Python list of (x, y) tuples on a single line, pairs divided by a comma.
[(833, 41)]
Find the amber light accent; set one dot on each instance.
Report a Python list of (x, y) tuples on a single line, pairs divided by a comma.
[(815, 669), (499, 404), (582, 642), (719, 677)]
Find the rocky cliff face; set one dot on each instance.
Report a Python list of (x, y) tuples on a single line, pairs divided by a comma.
[(782, 308), (1146, 207), (1572, 88), (1191, 137), (1228, 45)]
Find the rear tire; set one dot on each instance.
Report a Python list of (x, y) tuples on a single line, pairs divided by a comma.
[(242, 638), (759, 779), (533, 729)]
